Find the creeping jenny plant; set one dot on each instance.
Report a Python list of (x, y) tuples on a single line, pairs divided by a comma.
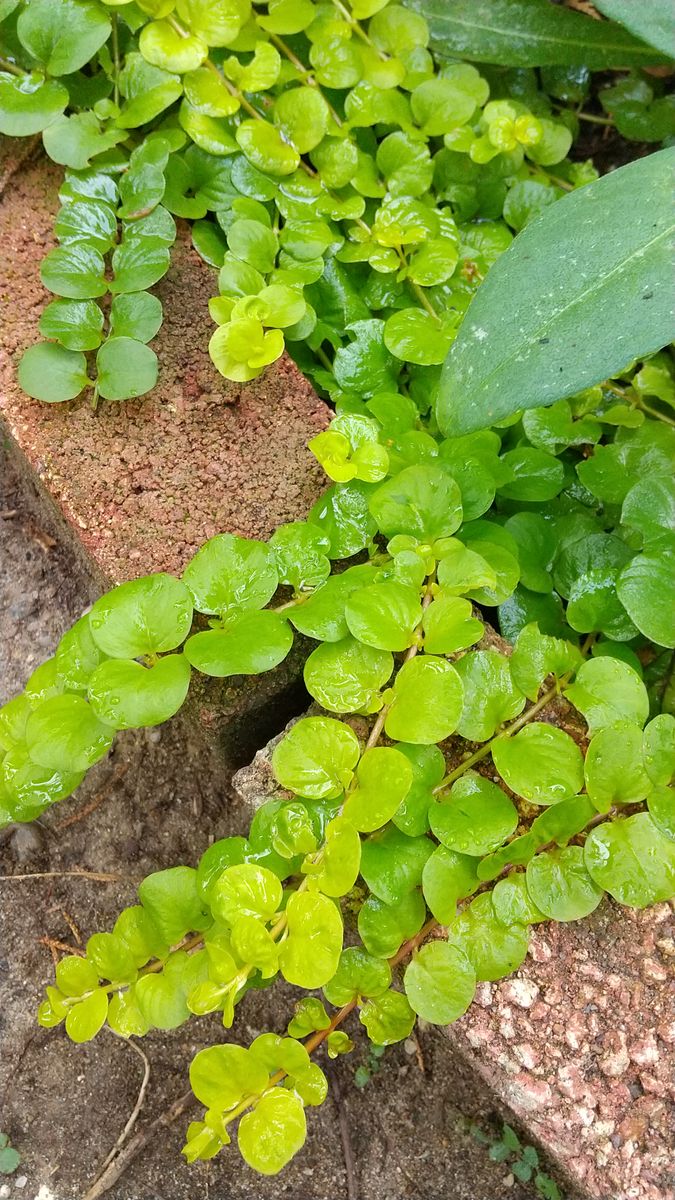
[(353, 192)]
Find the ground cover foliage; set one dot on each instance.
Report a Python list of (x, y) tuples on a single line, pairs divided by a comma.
[(501, 455)]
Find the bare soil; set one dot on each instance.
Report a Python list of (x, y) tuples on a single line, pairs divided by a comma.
[(157, 800)]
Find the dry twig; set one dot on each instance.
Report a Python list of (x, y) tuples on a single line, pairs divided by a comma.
[(124, 1159)]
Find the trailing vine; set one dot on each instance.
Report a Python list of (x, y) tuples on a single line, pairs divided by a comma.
[(361, 191)]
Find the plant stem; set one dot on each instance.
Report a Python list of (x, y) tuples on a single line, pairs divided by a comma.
[(116, 57), (11, 68), (594, 120)]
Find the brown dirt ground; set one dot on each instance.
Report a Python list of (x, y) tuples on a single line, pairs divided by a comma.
[(160, 802)]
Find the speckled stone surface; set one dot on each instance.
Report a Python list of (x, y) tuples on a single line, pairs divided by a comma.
[(144, 483), (580, 1044), (578, 1047)]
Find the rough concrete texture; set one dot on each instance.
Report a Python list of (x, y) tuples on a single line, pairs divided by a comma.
[(154, 802), (578, 1046), (139, 486), (145, 482)]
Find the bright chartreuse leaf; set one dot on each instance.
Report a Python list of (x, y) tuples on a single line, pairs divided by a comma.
[(475, 818), (427, 701), (358, 974), (560, 885), (519, 345), (384, 615), (273, 1132), (541, 763), (309, 956), (383, 778), (440, 982), (150, 615), (316, 758), (171, 900), (221, 1076), (449, 624), (346, 676), (388, 1019), (246, 890), (428, 765), (334, 869), (530, 34)]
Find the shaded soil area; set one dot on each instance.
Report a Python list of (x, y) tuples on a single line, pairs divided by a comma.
[(157, 800)]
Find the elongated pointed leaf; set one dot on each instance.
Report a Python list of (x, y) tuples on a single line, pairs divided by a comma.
[(583, 290), (651, 20), (529, 33)]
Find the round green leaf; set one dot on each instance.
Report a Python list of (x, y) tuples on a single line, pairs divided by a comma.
[(512, 902), (440, 983), (84, 1020), (163, 46), (447, 878), (250, 643), (428, 765), (127, 695), (383, 928), (316, 758), (231, 572), (302, 116), (661, 804), (492, 950), (172, 902), (126, 368), (540, 763), (246, 890), (422, 501), (476, 818), (490, 695), (632, 860), (606, 691), (449, 625), (218, 22), (52, 373), (65, 734), (383, 779), (73, 141), (27, 788), (150, 615), (75, 270), (321, 616), (427, 702), (135, 315), (346, 676), (646, 589), (359, 974), (266, 149), (76, 324), (392, 863), (335, 868), (658, 749), (416, 337), (559, 883), (310, 954), (388, 1019), (270, 1135), (63, 37), (28, 105), (221, 1076), (138, 263), (384, 615), (613, 767)]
